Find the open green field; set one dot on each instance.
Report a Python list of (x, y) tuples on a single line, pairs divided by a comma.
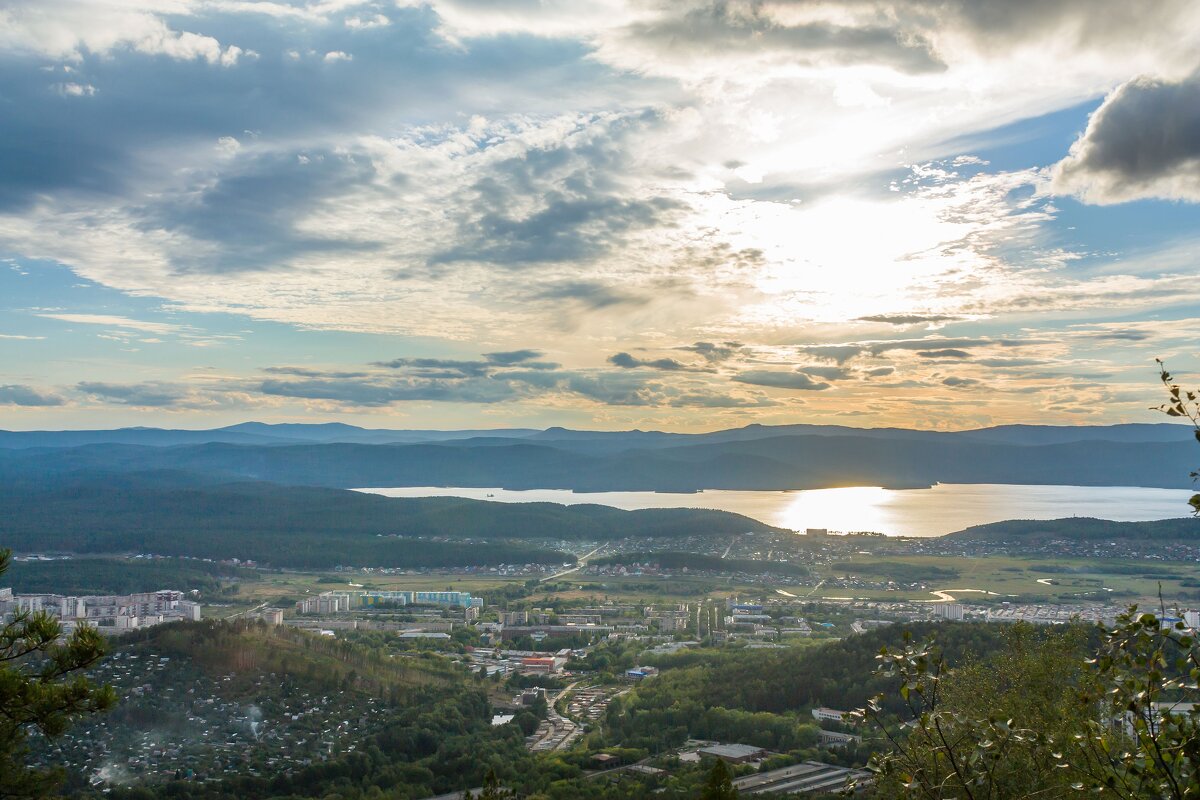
[(999, 578), (917, 578), (276, 588)]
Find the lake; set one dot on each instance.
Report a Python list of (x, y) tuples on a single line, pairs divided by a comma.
[(941, 509)]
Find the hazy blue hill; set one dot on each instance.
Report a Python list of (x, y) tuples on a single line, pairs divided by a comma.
[(1062, 434), (595, 442), (150, 437), (901, 459), (341, 432), (1081, 528)]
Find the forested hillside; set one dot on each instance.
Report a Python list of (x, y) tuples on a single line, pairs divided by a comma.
[(315, 527)]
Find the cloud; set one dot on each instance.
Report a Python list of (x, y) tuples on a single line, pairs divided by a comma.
[(1127, 335), (373, 393), (764, 35), (20, 337), (780, 380), (558, 202), (1143, 142), (591, 294), (19, 395), (306, 372), (626, 361), (947, 353), (909, 319), (71, 29), (150, 394), (115, 321), (944, 345), (932, 347), (828, 373), (440, 367), (509, 357), (956, 382), (714, 352), (841, 353)]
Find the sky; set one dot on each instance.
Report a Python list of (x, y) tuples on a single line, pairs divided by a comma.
[(597, 214)]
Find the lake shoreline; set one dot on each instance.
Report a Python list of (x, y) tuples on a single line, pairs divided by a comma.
[(913, 512)]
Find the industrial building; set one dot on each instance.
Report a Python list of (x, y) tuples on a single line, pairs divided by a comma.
[(808, 777), (734, 753)]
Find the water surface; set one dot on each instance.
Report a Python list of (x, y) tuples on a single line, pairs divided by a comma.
[(941, 509)]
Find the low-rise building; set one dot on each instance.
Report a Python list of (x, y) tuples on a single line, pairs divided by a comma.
[(823, 714)]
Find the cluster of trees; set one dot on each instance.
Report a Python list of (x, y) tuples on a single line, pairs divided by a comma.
[(42, 688), (124, 576), (699, 561), (312, 528), (1049, 716)]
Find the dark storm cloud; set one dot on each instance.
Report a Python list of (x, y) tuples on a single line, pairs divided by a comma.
[(14, 394), (1144, 141), (154, 395), (780, 380), (626, 361)]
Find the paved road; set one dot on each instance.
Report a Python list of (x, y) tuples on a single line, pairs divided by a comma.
[(580, 563)]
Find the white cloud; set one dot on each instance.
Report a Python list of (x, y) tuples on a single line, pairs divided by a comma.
[(114, 321), (66, 29), (74, 89), (366, 23)]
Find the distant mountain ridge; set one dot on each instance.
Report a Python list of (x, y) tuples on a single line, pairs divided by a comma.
[(751, 458), (262, 433)]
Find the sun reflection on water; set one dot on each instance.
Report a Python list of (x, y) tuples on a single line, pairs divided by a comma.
[(852, 508)]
